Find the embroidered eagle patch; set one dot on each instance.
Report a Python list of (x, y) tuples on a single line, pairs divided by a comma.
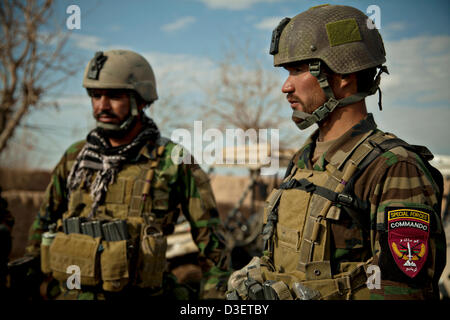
[(408, 232)]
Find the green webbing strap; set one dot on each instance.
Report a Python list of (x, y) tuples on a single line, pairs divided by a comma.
[(206, 223), (353, 98), (323, 83)]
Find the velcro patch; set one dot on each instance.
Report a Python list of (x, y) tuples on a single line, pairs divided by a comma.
[(343, 31), (408, 232)]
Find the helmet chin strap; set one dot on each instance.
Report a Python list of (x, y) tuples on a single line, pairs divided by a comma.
[(328, 107), (125, 126)]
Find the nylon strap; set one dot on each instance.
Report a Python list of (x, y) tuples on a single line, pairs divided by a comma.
[(157, 152), (306, 185), (282, 290)]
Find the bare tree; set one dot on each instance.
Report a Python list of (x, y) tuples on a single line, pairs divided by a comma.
[(168, 111), (32, 61), (246, 94)]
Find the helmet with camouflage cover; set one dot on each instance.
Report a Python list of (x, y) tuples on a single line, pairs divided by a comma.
[(341, 37), (121, 69)]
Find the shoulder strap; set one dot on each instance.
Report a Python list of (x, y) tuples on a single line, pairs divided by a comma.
[(426, 156), (378, 149), (292, 162), (156, 154)]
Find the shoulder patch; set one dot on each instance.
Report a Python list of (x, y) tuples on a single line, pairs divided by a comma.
[(408, 233)]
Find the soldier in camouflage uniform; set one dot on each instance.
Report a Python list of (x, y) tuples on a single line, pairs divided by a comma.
[(358, 213), (114, 197)]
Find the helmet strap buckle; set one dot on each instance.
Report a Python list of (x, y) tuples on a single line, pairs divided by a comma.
[(314, 68), (324, 110)]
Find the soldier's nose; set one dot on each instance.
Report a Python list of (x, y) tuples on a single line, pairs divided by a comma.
[(287, 86), (104, 103)]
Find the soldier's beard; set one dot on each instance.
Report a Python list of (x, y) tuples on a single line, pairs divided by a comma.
[(310, 106), (115, 133)]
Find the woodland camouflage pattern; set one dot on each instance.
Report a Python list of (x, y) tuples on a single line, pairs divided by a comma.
[(397, 176), (188, 186)]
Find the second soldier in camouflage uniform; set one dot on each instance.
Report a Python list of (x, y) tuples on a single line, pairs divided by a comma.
[(115, 197), (355, 201)]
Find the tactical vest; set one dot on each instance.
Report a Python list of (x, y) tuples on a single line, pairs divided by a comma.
[(138, 260), (298, 217)]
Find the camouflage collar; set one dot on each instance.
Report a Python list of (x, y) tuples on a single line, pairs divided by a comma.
[(303, 156), (148, 151), (339, 150)]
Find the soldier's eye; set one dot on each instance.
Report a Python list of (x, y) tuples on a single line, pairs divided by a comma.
[(298, 70), (115, 95)]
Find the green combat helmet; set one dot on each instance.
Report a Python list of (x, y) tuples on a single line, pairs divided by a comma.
[(121, 69), (342, 37)]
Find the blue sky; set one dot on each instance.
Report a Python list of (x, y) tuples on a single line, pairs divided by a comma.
[(185, 38)]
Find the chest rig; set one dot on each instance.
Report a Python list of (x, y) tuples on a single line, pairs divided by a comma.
[(139, 200), (129, 195), (298, 217)]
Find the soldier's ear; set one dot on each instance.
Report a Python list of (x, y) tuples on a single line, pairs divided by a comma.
[(348, 82)]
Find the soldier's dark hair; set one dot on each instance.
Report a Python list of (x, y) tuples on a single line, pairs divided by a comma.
[(366, 79), (140, 101)]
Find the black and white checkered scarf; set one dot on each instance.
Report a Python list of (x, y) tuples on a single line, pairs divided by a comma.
[(99, 156)]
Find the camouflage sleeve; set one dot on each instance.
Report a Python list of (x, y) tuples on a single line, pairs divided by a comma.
[(55, 200), (199, 207), (407, 237)]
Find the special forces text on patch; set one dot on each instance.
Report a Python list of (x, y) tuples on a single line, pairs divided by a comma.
[(408, 232)]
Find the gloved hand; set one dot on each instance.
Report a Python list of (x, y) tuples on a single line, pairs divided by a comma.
[(251, 283)]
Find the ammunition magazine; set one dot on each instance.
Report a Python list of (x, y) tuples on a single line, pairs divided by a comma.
[(255, 289), (107, 230), (233, 296), (269, 292)]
